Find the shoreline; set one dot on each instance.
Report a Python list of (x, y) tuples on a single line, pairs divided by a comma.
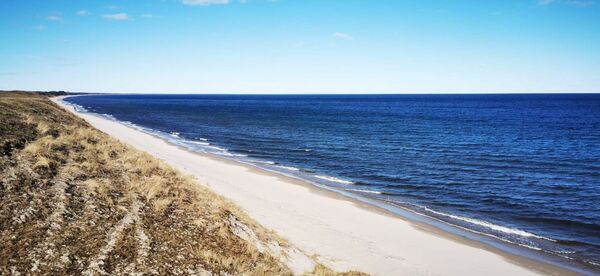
[(346, 233)]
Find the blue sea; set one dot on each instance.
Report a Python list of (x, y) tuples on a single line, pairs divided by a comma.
[(521, 168)]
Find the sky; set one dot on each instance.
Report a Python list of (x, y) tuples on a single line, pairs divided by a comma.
[(301, 46)]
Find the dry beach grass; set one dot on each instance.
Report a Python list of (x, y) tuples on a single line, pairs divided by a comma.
[(76, 201)]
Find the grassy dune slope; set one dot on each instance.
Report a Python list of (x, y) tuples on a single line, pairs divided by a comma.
[(74, 200)]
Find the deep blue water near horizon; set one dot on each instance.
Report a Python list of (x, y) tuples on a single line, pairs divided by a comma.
[(522, 167)]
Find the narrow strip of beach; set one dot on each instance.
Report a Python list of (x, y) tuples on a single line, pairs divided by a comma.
[(342, 233)]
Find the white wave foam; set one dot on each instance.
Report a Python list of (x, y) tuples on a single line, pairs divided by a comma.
[(498, 228), (364, 191), (264, 162), (199, 143), (288, 168), (226, 153), (75, 106), (175, 134), (564, 251), (465, 228), (209, 146), (334, 179), (592, 263)]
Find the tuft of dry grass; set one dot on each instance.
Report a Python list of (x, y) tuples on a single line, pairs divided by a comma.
[(321, 270), (75, 201)]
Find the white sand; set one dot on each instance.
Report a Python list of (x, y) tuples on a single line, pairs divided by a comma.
[(343, 234)]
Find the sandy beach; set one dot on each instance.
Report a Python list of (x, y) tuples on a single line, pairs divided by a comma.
[(340, 232)]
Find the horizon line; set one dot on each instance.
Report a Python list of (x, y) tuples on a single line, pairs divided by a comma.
[(295, 93)]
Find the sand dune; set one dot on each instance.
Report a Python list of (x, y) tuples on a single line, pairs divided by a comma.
[(74, 201)]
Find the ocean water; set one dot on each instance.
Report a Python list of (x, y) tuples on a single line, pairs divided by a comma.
[(524, 169)]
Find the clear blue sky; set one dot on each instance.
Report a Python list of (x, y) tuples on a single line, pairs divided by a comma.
[(301, 46)]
